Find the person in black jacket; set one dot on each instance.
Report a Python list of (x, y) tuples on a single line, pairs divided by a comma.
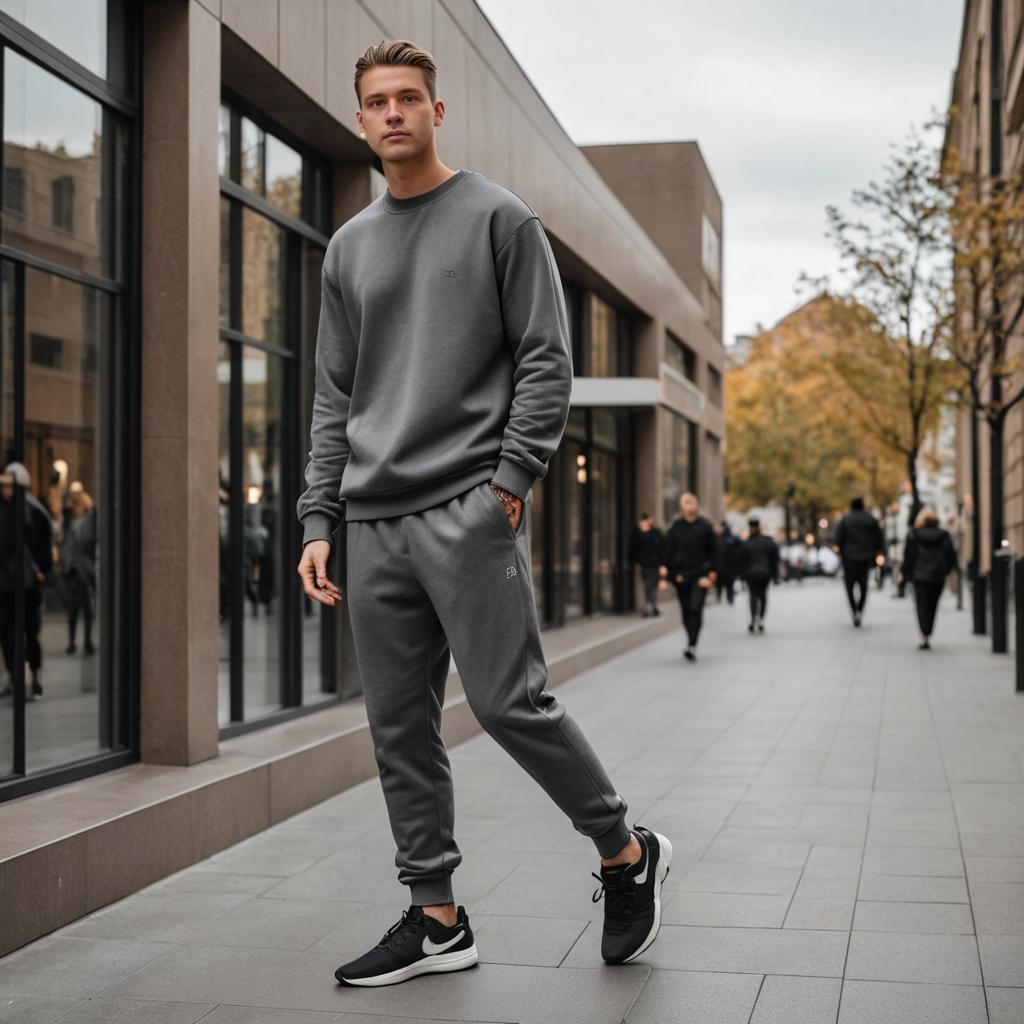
[(645, 550), (690, 566), (859, 543), (727, 564), (36, 562), (759, 565), (928, 558)]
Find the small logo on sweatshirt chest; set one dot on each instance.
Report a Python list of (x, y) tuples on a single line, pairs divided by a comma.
[(451, 273)]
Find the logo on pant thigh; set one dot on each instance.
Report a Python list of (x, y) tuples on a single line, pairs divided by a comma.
[(510, 572)]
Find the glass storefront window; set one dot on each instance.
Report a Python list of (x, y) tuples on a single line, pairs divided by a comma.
[(224, 142), (65, 327), (62, 162), (251, 157), (90, 32), (676, 469), (262, 278), (604, 524), (680, 356), (224, 530), (603, 339), (262, 394), (284, 176)]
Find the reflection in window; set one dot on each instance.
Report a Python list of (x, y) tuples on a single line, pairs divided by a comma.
[(225, 262), (224, 530), (63, 408), (262, 277), (79, 28), (680, 356), (262, 396), (604, 529), (284, 176), (55, 142), (252, 157), (676, 459), (224, 142), (603, 339), (711, 251), (714, 387)]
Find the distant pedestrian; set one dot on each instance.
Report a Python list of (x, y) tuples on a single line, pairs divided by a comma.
[(858, 542), (928, 559), (646, 544), (759, 565), (690, 566), (727, 562)]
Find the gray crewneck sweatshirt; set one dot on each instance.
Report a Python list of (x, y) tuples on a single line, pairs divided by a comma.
[(442, 356)]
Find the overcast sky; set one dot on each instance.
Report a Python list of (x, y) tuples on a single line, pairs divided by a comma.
[(793, 102)]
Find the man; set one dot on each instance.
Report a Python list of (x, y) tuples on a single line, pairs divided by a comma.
[(426, 447), (727, 565), (689, 565), (645, 544), (759, 565), (859, 543), (37, 561)]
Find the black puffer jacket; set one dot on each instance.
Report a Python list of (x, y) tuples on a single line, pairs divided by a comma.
[(759, 559), (646, 547), (929, 556), (690, 547), (859, 536)]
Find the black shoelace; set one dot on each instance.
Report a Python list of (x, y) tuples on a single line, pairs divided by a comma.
[(618, 896), (397, 931)]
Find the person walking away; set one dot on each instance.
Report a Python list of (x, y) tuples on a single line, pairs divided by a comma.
[(759, 565), (443, 372), (690, 566), (78, 565), (858, 542), (645, 551), (727, 562), (929, 557), (37, 561)]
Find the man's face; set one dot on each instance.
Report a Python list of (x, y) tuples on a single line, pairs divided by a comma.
[(688, 507), (396, 112)]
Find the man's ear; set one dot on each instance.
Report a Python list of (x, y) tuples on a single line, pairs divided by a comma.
[(438, 113)]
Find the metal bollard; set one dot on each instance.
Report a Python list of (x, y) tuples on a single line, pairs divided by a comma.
[(1001, 559)]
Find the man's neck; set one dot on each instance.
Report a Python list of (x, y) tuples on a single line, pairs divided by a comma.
[(409, 179)]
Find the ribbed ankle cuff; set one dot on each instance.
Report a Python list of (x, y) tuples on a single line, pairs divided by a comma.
[(429, 892), (614, 840)]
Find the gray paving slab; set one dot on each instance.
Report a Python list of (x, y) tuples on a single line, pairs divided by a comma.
[(998, 908), (912, 860), (101, 1010), (1005, 1005), (528, 941), (690, 997), (913, 957), (832, 913), (61, 966), (714, 909), (913, 888), (1002, 959), (878, 1002), (21, 1009), (936, 918), (789, 1000)]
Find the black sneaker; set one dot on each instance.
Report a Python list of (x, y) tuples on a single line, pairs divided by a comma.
[(632, 899), (417, 944), (690, 654)]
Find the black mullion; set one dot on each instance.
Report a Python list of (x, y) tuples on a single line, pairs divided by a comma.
[(17, 670), (108, 533), (267, 346), (237, 537), (59, 270), (263, 206), (587, 510)]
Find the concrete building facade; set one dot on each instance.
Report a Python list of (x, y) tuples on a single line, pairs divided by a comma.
[(160, 277)]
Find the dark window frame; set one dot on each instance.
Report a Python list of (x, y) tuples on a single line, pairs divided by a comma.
[(119, 534)]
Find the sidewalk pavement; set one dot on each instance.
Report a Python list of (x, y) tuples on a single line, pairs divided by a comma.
[(847, 815)]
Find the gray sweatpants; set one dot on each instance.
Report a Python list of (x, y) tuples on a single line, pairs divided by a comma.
[(455, 580)]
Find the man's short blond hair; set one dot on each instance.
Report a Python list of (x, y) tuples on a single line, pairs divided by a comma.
[(398, 52)]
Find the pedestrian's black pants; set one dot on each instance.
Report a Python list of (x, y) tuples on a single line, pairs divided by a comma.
[(33, 626), (926, 597), (856, 574), (691, 602), (758, 590), (650, 575)]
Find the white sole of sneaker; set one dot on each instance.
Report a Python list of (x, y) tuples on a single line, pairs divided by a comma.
[(664, 863), (437, 964)]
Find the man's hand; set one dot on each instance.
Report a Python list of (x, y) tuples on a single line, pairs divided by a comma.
[(313, 573), (513, 506)]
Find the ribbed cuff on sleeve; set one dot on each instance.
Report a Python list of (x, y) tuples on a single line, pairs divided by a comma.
[(513, 477), (316, 526)]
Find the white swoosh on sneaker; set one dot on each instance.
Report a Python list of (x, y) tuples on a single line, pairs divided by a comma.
[(430, 947)]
